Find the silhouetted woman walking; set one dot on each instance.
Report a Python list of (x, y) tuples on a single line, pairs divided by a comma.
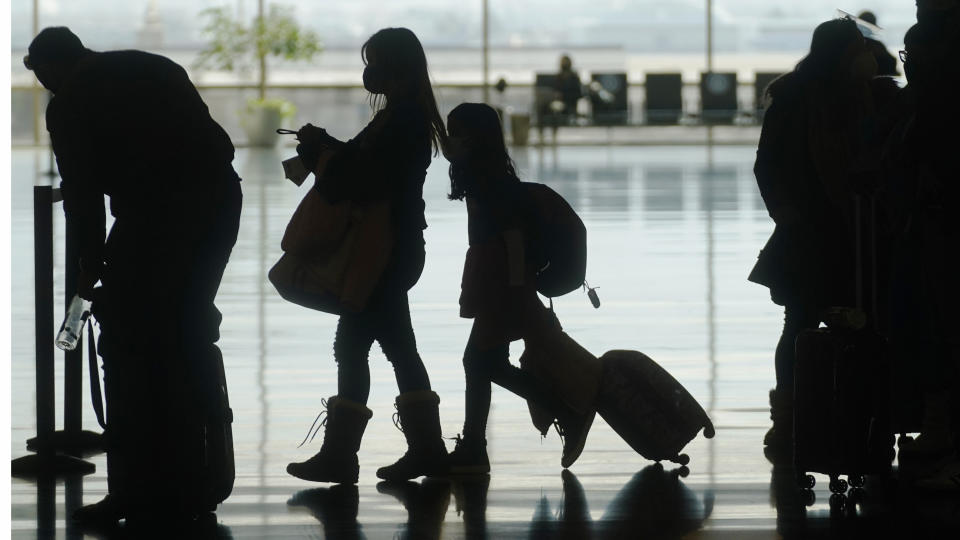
[(386, 161), (499, 289), (815, 126)]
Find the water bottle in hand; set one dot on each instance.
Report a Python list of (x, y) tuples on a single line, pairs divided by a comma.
[(72, 327)]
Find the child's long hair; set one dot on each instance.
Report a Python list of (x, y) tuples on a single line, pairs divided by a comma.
[(488, 150), (399, 53), (822, 64)]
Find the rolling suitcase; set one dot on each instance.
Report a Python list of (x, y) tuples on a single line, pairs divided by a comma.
[(217, 465), (205, 453), (841, 426), (841, 398), (649, 408)]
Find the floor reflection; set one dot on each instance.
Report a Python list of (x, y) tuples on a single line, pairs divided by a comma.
[(335, 508), (653, 504)]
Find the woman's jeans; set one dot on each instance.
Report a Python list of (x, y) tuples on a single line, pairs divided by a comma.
[(387, 321)]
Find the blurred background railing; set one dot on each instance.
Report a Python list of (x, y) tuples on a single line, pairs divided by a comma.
[(344, 109)]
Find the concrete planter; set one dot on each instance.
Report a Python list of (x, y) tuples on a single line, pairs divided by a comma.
[(261, 124)]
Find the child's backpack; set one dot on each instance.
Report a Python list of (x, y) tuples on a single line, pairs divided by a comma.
[(563, 240)]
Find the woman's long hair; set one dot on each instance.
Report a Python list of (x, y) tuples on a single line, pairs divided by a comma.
[(399, 53), (487, 154), (823, 63)]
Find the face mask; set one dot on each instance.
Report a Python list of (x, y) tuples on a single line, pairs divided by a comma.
[(373, 80), (455, 149)]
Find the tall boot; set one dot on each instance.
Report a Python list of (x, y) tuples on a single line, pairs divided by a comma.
[(336, 461), (419, 415), (780, 435)]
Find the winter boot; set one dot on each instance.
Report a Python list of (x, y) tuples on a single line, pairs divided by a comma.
[(419, 420), (336, 461), (780, 435), (469, 456)]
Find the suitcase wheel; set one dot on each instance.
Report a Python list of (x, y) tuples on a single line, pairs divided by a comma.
[(682, 472), (708, 431), (856, 480), (809, 497), (838, 486), (856, 496), (682, 459), (806, 481)]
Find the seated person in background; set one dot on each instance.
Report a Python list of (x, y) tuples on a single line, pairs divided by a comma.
[(568, 88), (561, 109)]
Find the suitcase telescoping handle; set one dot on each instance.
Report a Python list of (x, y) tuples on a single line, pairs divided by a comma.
[(872, 237)]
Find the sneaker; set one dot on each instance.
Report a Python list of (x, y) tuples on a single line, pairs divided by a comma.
[(469, 458), (573, 432), (416, 462)]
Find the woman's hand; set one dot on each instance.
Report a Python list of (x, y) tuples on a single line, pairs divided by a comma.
[(312, 143)]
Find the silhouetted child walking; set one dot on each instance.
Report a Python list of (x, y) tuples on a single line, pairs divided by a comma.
[(499, 289)]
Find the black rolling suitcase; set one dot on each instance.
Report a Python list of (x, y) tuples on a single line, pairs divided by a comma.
[(204, 453), (215, 454), (841, 389)]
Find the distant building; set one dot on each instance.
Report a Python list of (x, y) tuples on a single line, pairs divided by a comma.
[(150, 35)]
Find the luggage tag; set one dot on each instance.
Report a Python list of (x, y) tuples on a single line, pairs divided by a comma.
[(592, 294), (294, 170)]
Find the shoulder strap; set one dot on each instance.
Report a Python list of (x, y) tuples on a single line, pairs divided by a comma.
[(95, 394)]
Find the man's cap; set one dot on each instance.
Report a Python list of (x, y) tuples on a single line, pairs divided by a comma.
[(868, 16), (54, 44)]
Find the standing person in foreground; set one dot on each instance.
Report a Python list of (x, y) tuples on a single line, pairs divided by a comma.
[(130, 125), (499, 289), (388, 160), (813, 131)]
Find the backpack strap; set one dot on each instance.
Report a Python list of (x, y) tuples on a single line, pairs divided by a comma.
[(95, 394)]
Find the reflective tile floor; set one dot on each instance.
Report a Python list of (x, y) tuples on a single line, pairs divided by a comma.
[(673, 232)]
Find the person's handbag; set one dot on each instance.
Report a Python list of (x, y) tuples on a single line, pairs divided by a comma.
[(334, 254), (316, 227)]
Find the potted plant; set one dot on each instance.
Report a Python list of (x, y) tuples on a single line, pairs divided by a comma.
[(233, 46)]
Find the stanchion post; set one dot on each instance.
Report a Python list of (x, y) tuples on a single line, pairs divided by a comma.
[(46, 462), (43, 310)]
